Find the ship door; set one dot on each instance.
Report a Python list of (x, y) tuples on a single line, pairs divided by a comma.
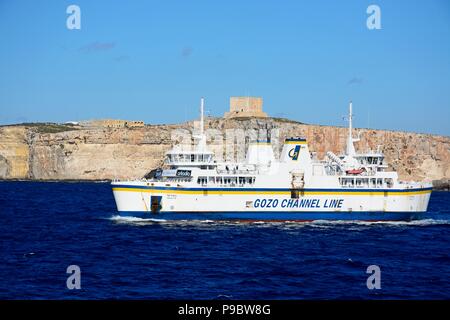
[(155, 203)]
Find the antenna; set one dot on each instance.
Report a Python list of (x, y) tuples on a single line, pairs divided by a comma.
[(350, 146), (350, 118), (202, 102), (202, 138)]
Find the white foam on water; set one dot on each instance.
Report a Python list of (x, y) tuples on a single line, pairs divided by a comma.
[(285, 224), (422, 222), (121, 219)]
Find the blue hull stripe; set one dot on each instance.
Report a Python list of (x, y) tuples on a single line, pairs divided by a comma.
[(278, 215)]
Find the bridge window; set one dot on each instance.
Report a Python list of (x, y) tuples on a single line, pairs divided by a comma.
[(348, 182), (379, 183), (244, 180), (389, 183), (364, 182), (230, 180), (202, 180), (358, 182), (249, 180)]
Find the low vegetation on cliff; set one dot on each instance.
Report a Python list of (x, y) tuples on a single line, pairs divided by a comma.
[(48, 127)]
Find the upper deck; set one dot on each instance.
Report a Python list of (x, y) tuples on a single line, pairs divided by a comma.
[(295, 168)]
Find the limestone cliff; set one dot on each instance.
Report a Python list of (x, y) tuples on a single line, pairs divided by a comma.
[(106, 153), (14, 153)]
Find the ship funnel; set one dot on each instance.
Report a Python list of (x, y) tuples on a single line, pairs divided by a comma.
[(260, 152), (295, 150)]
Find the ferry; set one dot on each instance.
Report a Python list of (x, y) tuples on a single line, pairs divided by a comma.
[(192, 185)]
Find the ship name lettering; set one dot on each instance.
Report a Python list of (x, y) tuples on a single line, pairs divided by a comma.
[(298, 203)]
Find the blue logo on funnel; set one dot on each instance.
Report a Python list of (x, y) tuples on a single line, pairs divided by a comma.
[(294, 152)]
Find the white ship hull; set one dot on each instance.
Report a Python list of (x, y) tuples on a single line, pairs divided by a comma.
[(294, 186), (272, 204)]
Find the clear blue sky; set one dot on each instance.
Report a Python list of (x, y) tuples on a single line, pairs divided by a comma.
[(153, 60)]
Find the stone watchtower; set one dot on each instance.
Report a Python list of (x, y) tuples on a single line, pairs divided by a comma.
[(245, 107)]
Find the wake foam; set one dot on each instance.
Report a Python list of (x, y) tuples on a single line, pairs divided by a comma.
[(287, 224), (135, 220), (422, 222)]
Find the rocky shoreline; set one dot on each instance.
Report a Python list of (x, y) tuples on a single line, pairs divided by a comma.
[(441, 185), (52, 152)]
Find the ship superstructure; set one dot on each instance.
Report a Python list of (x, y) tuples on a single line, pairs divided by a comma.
[(296, 186)]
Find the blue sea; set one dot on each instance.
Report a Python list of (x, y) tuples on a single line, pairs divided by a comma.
[(46, 227)]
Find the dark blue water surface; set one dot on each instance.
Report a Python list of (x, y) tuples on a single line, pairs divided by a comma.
[(45, 227)]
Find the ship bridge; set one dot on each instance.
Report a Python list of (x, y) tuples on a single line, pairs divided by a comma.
[(371, 159), (200, 157), (190, 159)]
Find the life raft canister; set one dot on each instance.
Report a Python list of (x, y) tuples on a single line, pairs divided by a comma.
[(355, 171)]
